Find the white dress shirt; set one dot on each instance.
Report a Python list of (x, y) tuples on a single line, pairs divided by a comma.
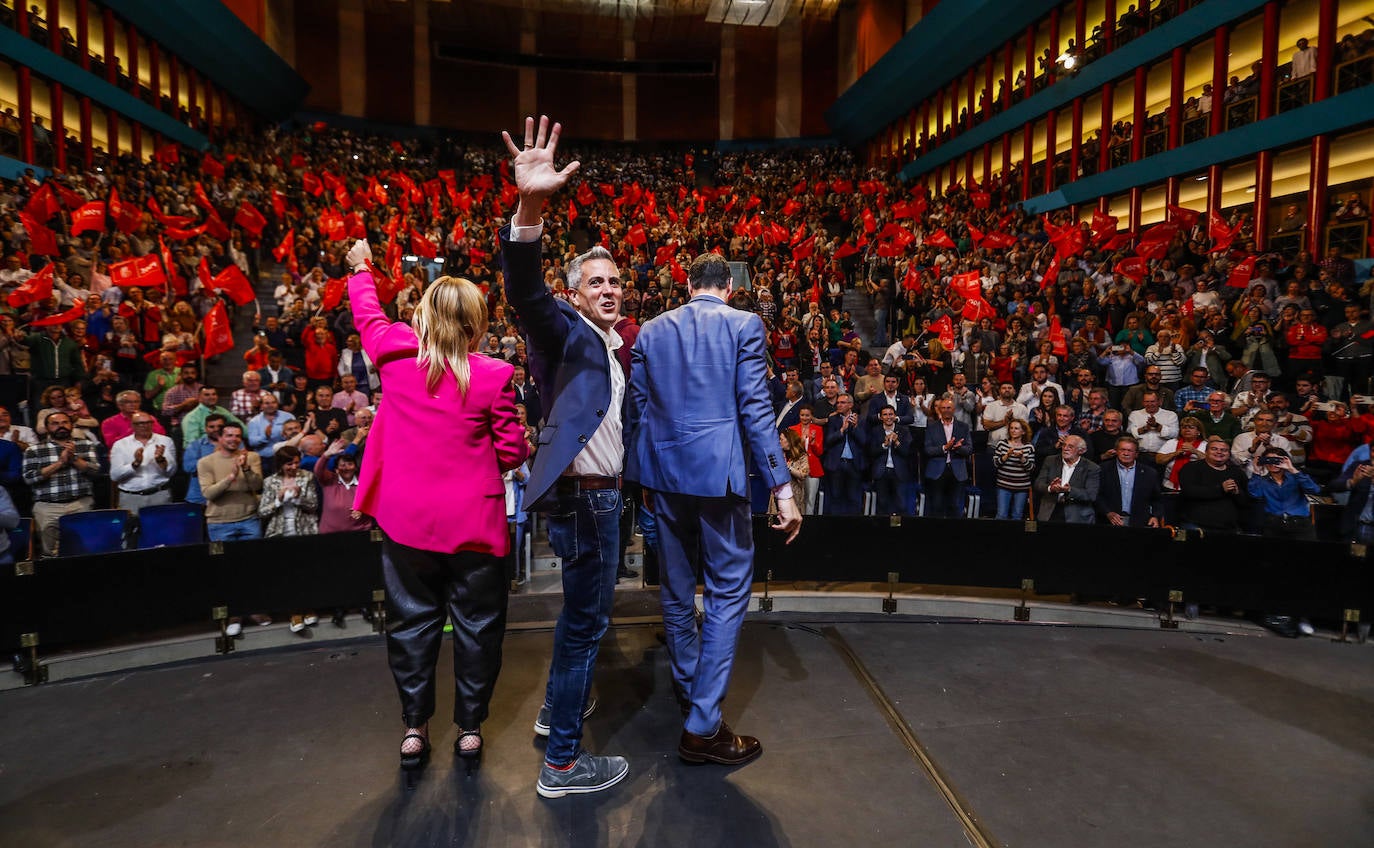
[(149, 474)]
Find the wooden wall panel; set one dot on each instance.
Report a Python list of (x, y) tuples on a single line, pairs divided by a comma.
[(317, 52), (678, 108), (390, 64), (820, 74), (756, 82), (588, 105), (480, 98)]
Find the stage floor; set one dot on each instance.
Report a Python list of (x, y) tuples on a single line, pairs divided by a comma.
[(876, 732)]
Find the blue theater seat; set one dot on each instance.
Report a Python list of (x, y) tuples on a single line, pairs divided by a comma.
[(171, 524), (100, 531)]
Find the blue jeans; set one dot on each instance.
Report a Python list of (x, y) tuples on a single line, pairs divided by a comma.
[(584, 530), (234, 531), (1011, 504)]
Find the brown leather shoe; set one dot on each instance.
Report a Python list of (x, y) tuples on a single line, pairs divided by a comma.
[(725, 747)]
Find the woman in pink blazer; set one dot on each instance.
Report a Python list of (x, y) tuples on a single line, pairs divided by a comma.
[(431, 477)]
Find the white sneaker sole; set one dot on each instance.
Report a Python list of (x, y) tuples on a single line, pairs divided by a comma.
[(543, 729), (560, 791)]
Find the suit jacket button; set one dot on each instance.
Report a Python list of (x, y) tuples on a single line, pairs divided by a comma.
[(600, 413), (582, 440)]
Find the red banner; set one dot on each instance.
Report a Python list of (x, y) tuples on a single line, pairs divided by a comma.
[(42, 240), (232, 282), (78, 310), (218, 338), (250, 218), (33, 290), (90, 216)]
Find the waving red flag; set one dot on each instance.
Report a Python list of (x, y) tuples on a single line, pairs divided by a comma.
[(1186, 217), (210, 165), (214, 225), (999, 241), (387, 287), (1067, 240), (312, 184), (940, 238), (636, 235), (250, 218), (287, 247), (945, 330), (207, 280), (981, 199), (1164, 232), (912, 280), (139, 271), (126, 216), (78, 310), (168, 154), (1241, 275), (1152, 249), (43, 204), (70, 199), (805, 249), (845, 250), (975, 234), (1133, 268), (572, 212), (968, 285), (33, 290), (421, 246), (333, 294), (1217, 230), (1103, 225), (218, 338), (200, 198), (1056, 336), (42, 240), (167, 220), (170, 265), (178, 234), (90, 216), (1051, 274), (232, 282)]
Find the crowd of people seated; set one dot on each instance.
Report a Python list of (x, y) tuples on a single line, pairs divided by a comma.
[(1081, 373)]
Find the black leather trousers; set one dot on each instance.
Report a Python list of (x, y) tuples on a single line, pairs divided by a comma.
[(423, 588)]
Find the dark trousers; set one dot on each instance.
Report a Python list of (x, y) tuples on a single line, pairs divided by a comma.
[(945, 496), (889, 491), (845, 495), (422, 589)]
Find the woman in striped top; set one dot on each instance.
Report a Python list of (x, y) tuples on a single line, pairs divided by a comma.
[(1014, 459)]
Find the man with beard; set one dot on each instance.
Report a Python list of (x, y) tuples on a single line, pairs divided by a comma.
[(59, 470)]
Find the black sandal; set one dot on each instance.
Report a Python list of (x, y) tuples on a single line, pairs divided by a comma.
[(468, 753), (417, 759)]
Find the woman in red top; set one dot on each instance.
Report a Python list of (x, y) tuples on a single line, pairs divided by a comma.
[(813, 441), (1305, 340), (321, 355), (1334, 436), (145, 319)]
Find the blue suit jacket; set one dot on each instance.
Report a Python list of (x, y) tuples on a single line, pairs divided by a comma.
[(834, 445), (934, 449), (1145, 493), (699, 401), (567, 360)]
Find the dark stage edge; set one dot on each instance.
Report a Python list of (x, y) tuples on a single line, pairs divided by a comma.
[(876, 732)]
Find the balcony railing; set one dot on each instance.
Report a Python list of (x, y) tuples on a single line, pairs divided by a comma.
[(1196, 129), (1242, 112), (1354, 74), (1295, 94)]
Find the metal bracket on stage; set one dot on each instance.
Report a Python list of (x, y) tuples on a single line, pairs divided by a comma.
[(890, 603), (24, 568), (224, 643), (1167, 621), (1022, 612), (766, 602), (1032, 525), (1349, 617), (34, 671), (378, 610), (1359, 551)]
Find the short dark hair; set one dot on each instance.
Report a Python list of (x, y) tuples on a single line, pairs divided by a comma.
[(285, 454), (709, 271), (217, 416)]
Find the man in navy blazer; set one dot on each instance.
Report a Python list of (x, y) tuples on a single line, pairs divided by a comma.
[(699, 413), (889, 446), (575, 476), (947, 448), (845, 459), (1142, 508)]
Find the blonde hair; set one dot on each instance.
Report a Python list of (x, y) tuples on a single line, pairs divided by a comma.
[(449, 323)]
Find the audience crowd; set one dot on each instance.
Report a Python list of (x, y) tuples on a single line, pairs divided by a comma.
[(926, 349)]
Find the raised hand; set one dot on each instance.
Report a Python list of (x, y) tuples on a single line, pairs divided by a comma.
[(535, 174), (358, 254)]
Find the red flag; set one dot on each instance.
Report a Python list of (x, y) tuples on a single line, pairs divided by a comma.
[(218, 338), (278, 204), (168, 263), (945, 329), (126, 215), (1103, 224), (207, 280), (312, 184), (287, 246), (940, 238), (1056, 336), (845, 250), (199, 197), (981, 199), (43, 204), (33, 290), (1051, 274), (459, 231), (870, 223), (1067, 240), (42, 240), (1240, 275), (572, 212), (214, 225), (421, 246), (168, 154), (1152, 249), (999, 241), (78, 310), (178, 234), (1186, 217), (912, 280), (976, 309), (210, 165), (679, 273), (387, 287), (975, 234), (232, 282), (585, 196), (1164, 232), (814, 296), (90, 216), (1118, 241), (139, 271), (805, 249), (1133, 268), (333, 294), (356, 226), (167, 220), (70, 199), (1217, 230), (636, 235), (250, 218), (967, 286)]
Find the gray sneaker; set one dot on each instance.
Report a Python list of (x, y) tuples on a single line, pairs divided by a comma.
[(588, 774), (541, 723)]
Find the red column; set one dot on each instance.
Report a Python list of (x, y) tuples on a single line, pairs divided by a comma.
[(1316, 191), (112, 131), (1214, 187), (54, 15), (131, 44), (1006, 155), (1075, 149), (1326, 50), (925, 126), (939, 113), (1264, 190), (1051, 137), (1269, 60), (192, 83), (1138, 116), (1221, 41), (987, 164), (1030, 60), (173, 82), (58, 124), (1054, 45), (1027, 150), (968, 169), (25, 109), (1171, 187), (1176, 69), (1104, 157), (1008, 73), (87, 143), (991, 89), (211, 92), (107, 33), (1080, 23), (155, 73), (83, 35), (1137, 193), (972, 98), (1109, 25)]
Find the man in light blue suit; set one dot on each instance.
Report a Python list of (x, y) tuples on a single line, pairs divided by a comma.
[(699, 410)]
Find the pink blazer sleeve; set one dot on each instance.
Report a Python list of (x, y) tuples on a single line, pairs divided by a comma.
[(380, 335), (507, 434)]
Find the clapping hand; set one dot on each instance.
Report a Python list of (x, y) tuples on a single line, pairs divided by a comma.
[(535, 174)]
